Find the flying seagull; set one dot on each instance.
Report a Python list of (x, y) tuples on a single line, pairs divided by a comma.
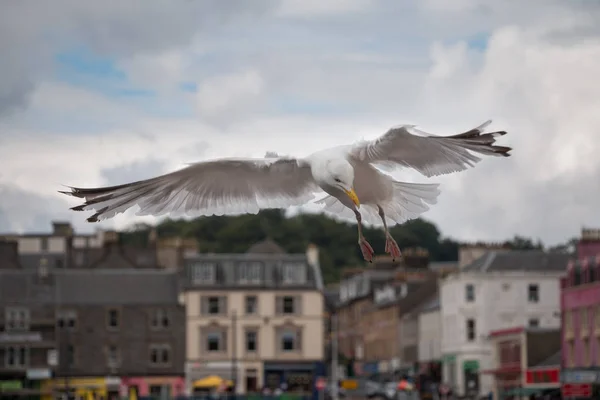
[(349, 175)]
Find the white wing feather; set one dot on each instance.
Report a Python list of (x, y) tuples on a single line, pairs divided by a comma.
[(429, 154), (219, 187)]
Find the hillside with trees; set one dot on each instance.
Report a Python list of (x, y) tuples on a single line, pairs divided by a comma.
[(336, 240)]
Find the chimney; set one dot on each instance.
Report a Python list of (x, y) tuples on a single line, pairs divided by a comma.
[(9, 254), (312, 256), (111, 237), (62, 228), (415, 257), (152, 236), (589, 243)]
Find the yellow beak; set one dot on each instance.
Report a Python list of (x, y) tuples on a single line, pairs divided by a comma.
[(352, 194)]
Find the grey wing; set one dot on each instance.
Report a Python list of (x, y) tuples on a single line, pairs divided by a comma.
[(226, 186), (431, 155)]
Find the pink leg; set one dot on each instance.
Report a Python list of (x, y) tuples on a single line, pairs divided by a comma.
[(391, 247), (365, 247), (367, 250)]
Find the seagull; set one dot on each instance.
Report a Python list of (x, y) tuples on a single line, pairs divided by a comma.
[(353, 178)]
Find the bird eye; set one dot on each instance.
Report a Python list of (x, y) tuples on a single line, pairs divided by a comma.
[(337, 179)]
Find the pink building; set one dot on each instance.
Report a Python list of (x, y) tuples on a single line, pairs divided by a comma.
[(580, 307)]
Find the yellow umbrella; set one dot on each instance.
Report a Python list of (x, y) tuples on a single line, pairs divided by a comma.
[(210, 382), (132, 394)]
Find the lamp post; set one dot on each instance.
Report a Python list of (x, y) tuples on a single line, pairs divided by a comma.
[(233, 353)]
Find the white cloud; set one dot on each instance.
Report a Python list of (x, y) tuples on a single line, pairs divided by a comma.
[(226, 94), (534, 77), (312, 8)]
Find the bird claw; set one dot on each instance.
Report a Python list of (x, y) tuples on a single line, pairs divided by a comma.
[(392, 248), (366, 249)]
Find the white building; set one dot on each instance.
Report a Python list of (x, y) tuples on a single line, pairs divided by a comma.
[(501, 289)]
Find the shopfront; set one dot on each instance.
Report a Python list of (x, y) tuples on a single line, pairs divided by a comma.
[(158, 387), (578, 383), (103, 388), (295, 377)]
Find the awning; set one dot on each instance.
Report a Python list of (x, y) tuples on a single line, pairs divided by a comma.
[(211, 382)]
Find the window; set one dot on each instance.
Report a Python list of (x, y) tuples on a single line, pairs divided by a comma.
[(214, 305), (568, 321), (534, 322), (159, 318), (16, 356), (585, 344), (470, 293), (471, 330), (251, 381), (251, 305), (17, 318), (113, 356), (66, 319), (533, 293), (506, 286), (160, 355), (215, 341), (44, 244), (592, 274), (293, 273), (570, 354), (289, 340), (251, 341), (249, 272), (288, 305), (597, 317), (583, 320), (204, 273), (113, 319)]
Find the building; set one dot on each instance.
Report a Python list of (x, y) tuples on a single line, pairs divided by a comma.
[(119, 330), (526, 362), (28, 337), (499, 290), (355, 298), (394, 344), (103, 328), (580, 304), (256, 318), (365, 294)]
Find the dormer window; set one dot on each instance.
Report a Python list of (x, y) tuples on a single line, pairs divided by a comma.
[(204, 273), (249, 272), (294, 273)]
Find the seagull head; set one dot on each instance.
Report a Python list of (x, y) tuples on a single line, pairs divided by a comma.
[(341, 176)]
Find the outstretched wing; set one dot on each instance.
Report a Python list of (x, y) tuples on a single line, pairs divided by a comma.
[(429, 154), (226, 186)]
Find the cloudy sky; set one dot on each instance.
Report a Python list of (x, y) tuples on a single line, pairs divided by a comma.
[(97, 93)]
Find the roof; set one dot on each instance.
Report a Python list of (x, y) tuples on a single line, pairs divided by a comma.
[(114, 286), (19, 287), (519, 260), (90, 287), (554, 359), (267, 246)]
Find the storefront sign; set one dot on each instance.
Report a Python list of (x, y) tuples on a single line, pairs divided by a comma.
[(36, 374), (580, 376), (542, 376)]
